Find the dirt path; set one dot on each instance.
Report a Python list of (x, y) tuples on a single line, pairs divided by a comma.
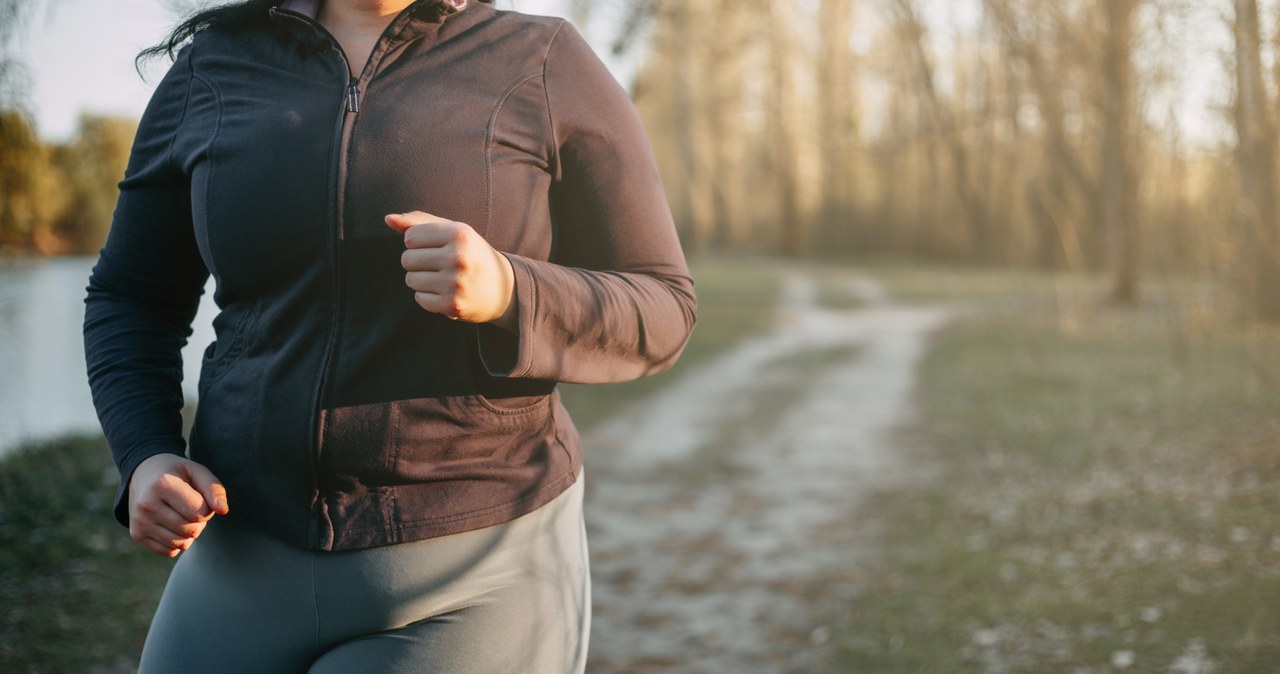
[(719, 513)]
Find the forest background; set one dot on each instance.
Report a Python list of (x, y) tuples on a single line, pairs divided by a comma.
[(1126, 136)]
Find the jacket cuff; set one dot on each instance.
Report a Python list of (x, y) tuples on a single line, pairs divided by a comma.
[(128, 465), (502, 352)]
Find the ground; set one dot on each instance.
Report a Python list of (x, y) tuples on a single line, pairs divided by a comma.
[(721, 514), (1052, 484)]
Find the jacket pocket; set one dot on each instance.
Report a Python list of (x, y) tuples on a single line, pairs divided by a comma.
[(431, 439), (508, 409)]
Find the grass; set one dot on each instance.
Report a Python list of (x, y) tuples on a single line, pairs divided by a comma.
[(1105, 502), (77, 592), (921, 282)]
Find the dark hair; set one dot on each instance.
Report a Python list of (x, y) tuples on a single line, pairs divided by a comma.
[(230, 15)]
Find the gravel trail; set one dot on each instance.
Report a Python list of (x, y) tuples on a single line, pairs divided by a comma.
[(720, 512)]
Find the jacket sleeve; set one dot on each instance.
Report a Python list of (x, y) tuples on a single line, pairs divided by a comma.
[(143, 293), (616, 301)]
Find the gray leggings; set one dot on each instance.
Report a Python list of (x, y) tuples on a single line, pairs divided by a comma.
[(509, 598)]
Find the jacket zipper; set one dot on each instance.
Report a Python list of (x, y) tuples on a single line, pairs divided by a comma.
[(321, 534), (353, 95)]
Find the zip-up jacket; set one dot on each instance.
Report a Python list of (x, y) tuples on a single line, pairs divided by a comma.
[(338, 413)]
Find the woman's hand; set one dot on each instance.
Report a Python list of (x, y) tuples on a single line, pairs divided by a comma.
[(170, 501), (454, 271)]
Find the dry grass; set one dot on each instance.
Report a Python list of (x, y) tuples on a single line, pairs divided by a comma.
[(1108, 498)]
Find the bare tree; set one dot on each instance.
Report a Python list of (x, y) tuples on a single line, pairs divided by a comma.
[(727, 41), (945, 129), (693, 188), (1255, 164), (1023, 141), (1118, 181), (836, 110), (1060, 190), (14, 79), (779, 103)]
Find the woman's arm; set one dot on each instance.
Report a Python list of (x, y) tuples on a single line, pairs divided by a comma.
[(142, 297), (616, 301)]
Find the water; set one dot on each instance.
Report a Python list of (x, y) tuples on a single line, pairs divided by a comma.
[(43, 389)]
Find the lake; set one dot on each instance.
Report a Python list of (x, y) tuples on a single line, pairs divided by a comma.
[(43, 389)]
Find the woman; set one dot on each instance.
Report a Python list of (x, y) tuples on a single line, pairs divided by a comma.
[(379, 478)]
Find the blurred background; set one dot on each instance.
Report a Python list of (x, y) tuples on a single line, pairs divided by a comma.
[(987, 371)]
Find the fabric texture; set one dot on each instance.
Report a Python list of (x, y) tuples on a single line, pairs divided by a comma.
[(512, 598), (338, 413)]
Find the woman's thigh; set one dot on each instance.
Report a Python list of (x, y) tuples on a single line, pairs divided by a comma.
[(514, 597), (227, 608), (496, 638)]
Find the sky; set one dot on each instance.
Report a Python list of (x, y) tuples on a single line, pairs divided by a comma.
[(81, 53)]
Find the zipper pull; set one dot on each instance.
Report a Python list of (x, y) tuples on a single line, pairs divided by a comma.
[(353, 96)]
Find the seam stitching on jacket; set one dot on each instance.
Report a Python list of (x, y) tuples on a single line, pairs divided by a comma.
[(534, 312), (191, 72), (525, 346), (546, 94), (213, 139), (488, 145)]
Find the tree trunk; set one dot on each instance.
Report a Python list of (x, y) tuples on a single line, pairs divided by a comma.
[(691, 191), (723, 86), (1255, 163), (795, 231), (835, 100), (1068, 192), (1118, 185), (945, 130)]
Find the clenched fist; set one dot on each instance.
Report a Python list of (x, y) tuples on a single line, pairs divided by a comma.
[(453, 271), (171, 499)]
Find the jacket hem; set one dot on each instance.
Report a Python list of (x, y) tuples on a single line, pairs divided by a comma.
[(414, 530)]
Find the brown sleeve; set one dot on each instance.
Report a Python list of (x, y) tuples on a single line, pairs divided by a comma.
[(616, 301)]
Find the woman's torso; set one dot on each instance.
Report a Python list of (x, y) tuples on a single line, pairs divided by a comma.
[(337, 412)]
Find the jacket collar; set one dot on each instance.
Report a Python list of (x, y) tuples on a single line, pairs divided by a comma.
[(418, 19), (311, 8)]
